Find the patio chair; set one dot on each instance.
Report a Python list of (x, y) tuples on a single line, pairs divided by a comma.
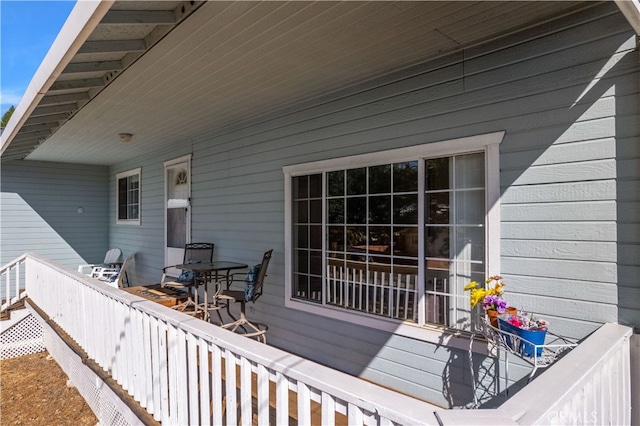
[(111, 260), (254, 281), (193, 253), (116, 277)]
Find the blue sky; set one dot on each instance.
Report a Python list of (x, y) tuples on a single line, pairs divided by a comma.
[(27, 31)]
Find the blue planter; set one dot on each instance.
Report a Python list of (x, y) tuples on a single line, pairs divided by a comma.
[(535, 337)]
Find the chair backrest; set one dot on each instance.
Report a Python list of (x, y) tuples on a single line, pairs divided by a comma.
[(198, 252), (118, 278), (112, 256), (257, 292)]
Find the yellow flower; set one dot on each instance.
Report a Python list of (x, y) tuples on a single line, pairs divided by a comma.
[(471, 285), (478, 294)]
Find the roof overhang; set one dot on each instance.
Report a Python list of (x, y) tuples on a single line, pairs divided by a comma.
[(167, 71), (99, 40), (631, 10)]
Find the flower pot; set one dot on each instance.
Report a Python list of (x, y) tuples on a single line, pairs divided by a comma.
[(536, 337), (531, 340), (493, 315)]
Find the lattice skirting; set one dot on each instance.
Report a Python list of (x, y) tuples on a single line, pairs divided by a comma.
[(23, 338), (107, 406)]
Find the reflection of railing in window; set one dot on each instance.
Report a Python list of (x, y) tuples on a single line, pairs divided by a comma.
[(374, 289), (314, 290), (437, 300)]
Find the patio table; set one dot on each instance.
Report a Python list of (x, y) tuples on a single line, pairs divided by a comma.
[(206, 273)]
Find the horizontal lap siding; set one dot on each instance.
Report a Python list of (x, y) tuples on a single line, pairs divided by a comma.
[(560, 179), (39, 211)]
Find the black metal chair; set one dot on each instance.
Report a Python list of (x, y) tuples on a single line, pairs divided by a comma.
[(193, 253), (254, 281)]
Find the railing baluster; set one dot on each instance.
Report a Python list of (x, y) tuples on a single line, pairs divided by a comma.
[(172, 361), (355, 415), (216, 388), (147, 390), (17, 293), (136, 333), (282, 399), (205, 382), (245, 392), (7, 297), (263, 395), (163, 369), (328, 409), (191, 361), (182, 381), (230, 377), (304, 404), (127, 362), (154, 363)]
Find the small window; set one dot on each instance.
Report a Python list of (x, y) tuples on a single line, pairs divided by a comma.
[(128, 197), (181, 177)]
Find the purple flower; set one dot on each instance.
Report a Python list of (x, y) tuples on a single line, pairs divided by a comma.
[(494, 302)]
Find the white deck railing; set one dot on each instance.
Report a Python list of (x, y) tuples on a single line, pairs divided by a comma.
[(186, 371), (12, 282), (591, 385)]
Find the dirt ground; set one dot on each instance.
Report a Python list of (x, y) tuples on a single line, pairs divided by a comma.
[(34, 391)]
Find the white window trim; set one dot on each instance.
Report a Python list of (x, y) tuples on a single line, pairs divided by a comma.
[(489, 143), (126, 174)]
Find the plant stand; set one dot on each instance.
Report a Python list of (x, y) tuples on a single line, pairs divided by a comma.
[(542, 355)]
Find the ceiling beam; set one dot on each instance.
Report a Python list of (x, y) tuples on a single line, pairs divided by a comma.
[(64, 99), (32, 136), (139, 17), (79, 67), (111, 46), (38, 128), (46, 119), (26, 146), (86, 83), (54, 109)]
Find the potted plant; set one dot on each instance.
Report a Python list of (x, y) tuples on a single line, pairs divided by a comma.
[(490, 295), (531, 330)]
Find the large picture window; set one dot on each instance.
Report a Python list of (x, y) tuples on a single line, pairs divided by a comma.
[(396, 237), (128, 197)]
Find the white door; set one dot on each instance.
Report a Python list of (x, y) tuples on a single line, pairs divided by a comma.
[(177, 210)]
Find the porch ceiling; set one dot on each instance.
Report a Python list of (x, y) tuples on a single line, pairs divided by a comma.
[(165, 71)]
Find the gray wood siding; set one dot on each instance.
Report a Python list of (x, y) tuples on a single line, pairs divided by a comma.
[(565, 93), (39, 211)]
